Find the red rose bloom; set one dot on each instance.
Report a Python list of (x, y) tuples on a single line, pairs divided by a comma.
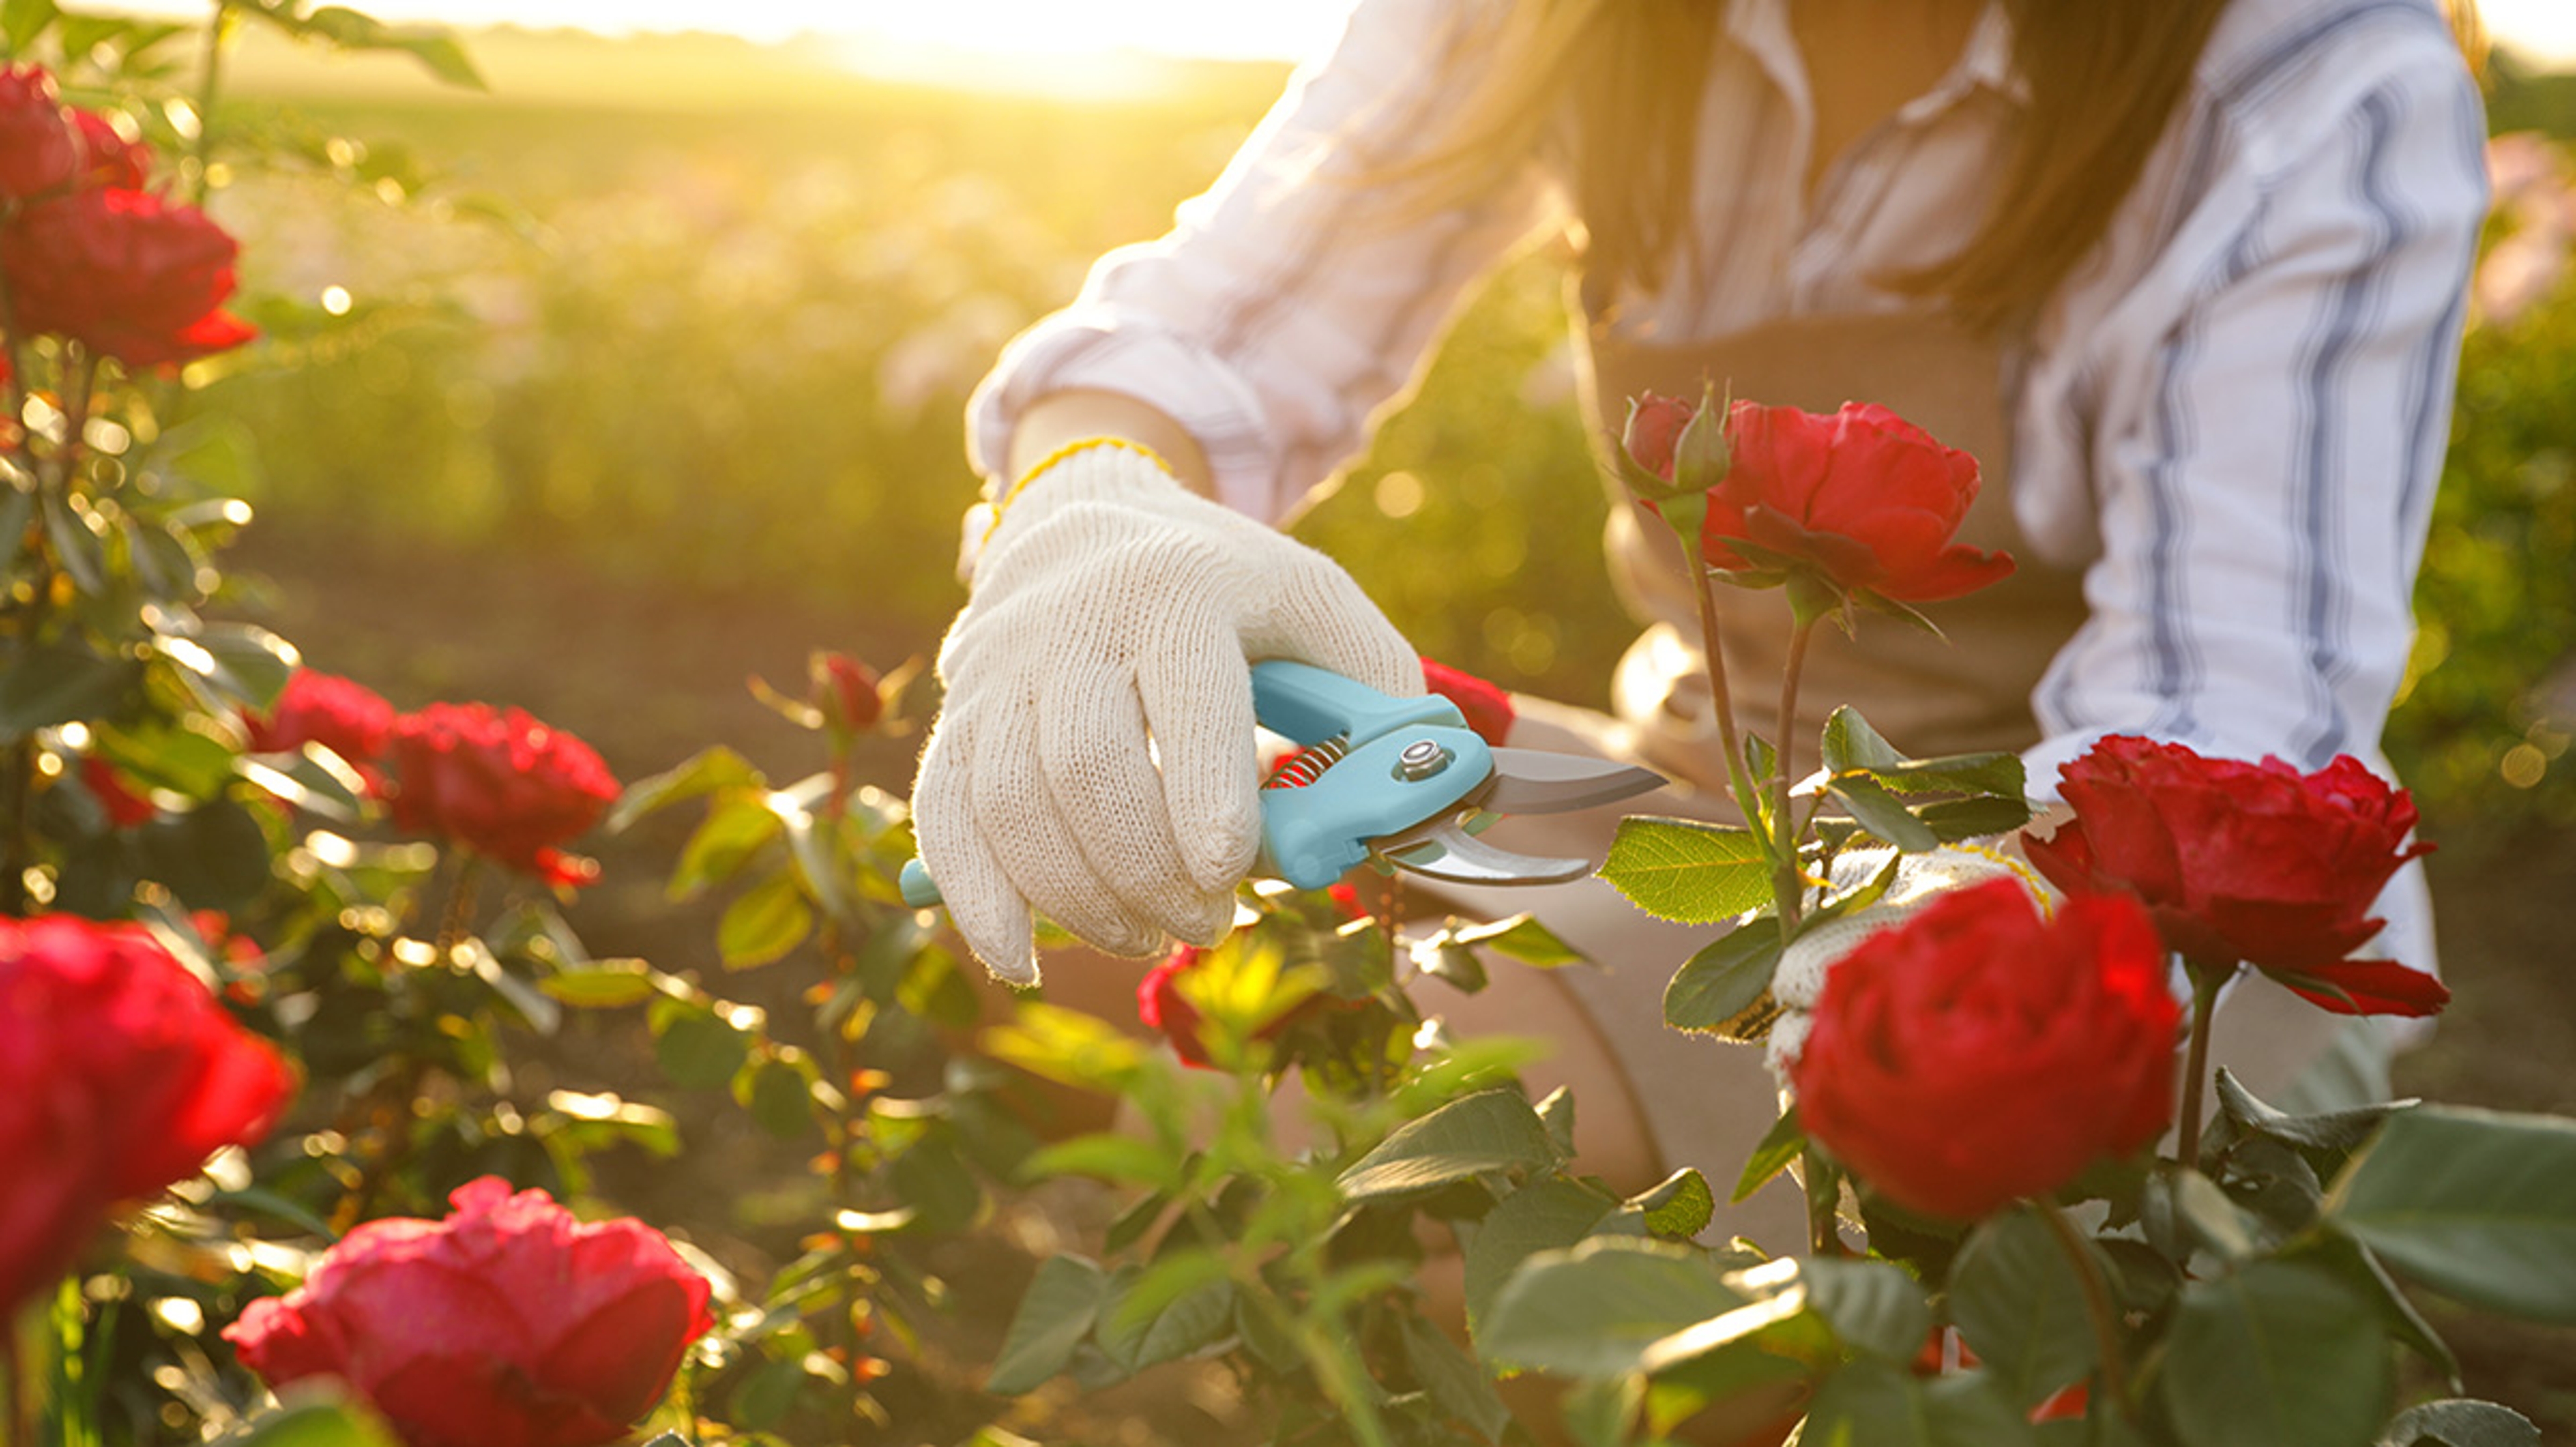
[(846, 692), (108, 158), (118, 1075), (2251, 863), (508, 1324), (1863, 497), (1977, 1053), (347, 718), (1488, 707), (38, 148), (126, 274), (501, 784)]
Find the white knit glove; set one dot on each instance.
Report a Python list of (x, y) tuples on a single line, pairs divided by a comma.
[(1920, 879), (1112, 605)]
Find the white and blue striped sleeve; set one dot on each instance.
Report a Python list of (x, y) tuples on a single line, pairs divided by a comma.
[(1297, 297), (2264, 492)]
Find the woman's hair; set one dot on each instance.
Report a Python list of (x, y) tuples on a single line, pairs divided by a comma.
[(2104, 77)]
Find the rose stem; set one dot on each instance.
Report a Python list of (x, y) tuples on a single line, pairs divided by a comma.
[(2097, 1301), (79, 386), (454, 921), (1824, 1238), (2195, 1066), (1785, 884), (209, 87), (1714, 656)]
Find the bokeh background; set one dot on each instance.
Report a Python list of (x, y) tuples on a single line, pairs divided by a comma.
[(639, 372)]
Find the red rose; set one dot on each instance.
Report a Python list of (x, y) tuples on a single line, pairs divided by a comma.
[(2251, 863), (126, 274), (38, 148), (1977, 1053), (347, 718), (508, 1324), (501, 784), (1863, 497), (125, 808), (1488, 708), (108, 158), (845, 691), (1160, 1006), (118, 1075)]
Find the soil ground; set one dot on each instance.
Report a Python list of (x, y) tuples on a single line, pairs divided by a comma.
[(649, 675)]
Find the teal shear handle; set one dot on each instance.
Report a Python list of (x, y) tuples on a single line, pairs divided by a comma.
[(1373, 765)]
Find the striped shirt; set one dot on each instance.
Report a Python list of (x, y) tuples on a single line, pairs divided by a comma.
[(2231, 416)]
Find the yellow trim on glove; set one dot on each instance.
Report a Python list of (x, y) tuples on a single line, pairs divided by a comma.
[(1002, 504)]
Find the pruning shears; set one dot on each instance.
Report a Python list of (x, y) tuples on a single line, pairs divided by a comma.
[(1398, 782)]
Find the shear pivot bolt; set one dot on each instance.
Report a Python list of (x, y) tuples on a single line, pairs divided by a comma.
[(1421, 759)]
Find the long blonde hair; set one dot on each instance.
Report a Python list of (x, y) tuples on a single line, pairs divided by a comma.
[(2104, 77)]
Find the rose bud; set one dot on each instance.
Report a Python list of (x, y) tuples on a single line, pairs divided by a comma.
[(1978, 1053), (501, 784), (845, 692), (508, 1324), (39, 150), (1862, 498), (119, 1074), (2246, 863), (125, 274)]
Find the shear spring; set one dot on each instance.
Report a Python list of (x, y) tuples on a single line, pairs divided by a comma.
[(1308, 764)]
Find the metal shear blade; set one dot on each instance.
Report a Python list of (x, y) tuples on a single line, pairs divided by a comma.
[(1524, 781)]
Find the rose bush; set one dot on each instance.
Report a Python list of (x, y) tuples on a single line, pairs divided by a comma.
[(1978, 1052), (508, 1324), (2251, 863), (500, 783), (119, 1074)]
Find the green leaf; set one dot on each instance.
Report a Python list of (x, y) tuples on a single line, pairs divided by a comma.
[(318, 1424), (1490, 1130), (1872, 1403), (1878, 811), (1991, 775), (436, 50), (1849, 743), (2361, 1270), (1687, 872), (2279, 1353), (2477, 1205), (1522, 938), (1108, 1156), (705, 773), (1872, 1305), (1595, 1310), (764, 1398), (2017, 1300), (251, 663), (78, 548), (21, 21), (1165, 1311), (2182, 1204), (737, 826), (2460, 1423), (697, 1049), (1546, 1215), (1722, 988), (1458, 1386), (55, 683), (603, 985), (1063, 1301), (1779, 1145), (1677, 1208), (1957, 819), (214, 856), (782, 1099), (2340, 1130), (764, 923)]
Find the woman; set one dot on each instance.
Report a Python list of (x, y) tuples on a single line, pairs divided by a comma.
[(2186, 275)]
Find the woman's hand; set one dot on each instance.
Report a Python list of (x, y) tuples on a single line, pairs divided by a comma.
[(1094, 757)]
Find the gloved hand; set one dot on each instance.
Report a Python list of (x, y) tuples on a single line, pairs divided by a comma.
[(1920, 879), (1112, 605)]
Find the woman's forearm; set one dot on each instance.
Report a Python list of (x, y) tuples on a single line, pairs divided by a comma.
[(1075, 414)]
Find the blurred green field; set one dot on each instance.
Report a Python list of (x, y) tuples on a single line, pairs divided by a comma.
[(692, 312)]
